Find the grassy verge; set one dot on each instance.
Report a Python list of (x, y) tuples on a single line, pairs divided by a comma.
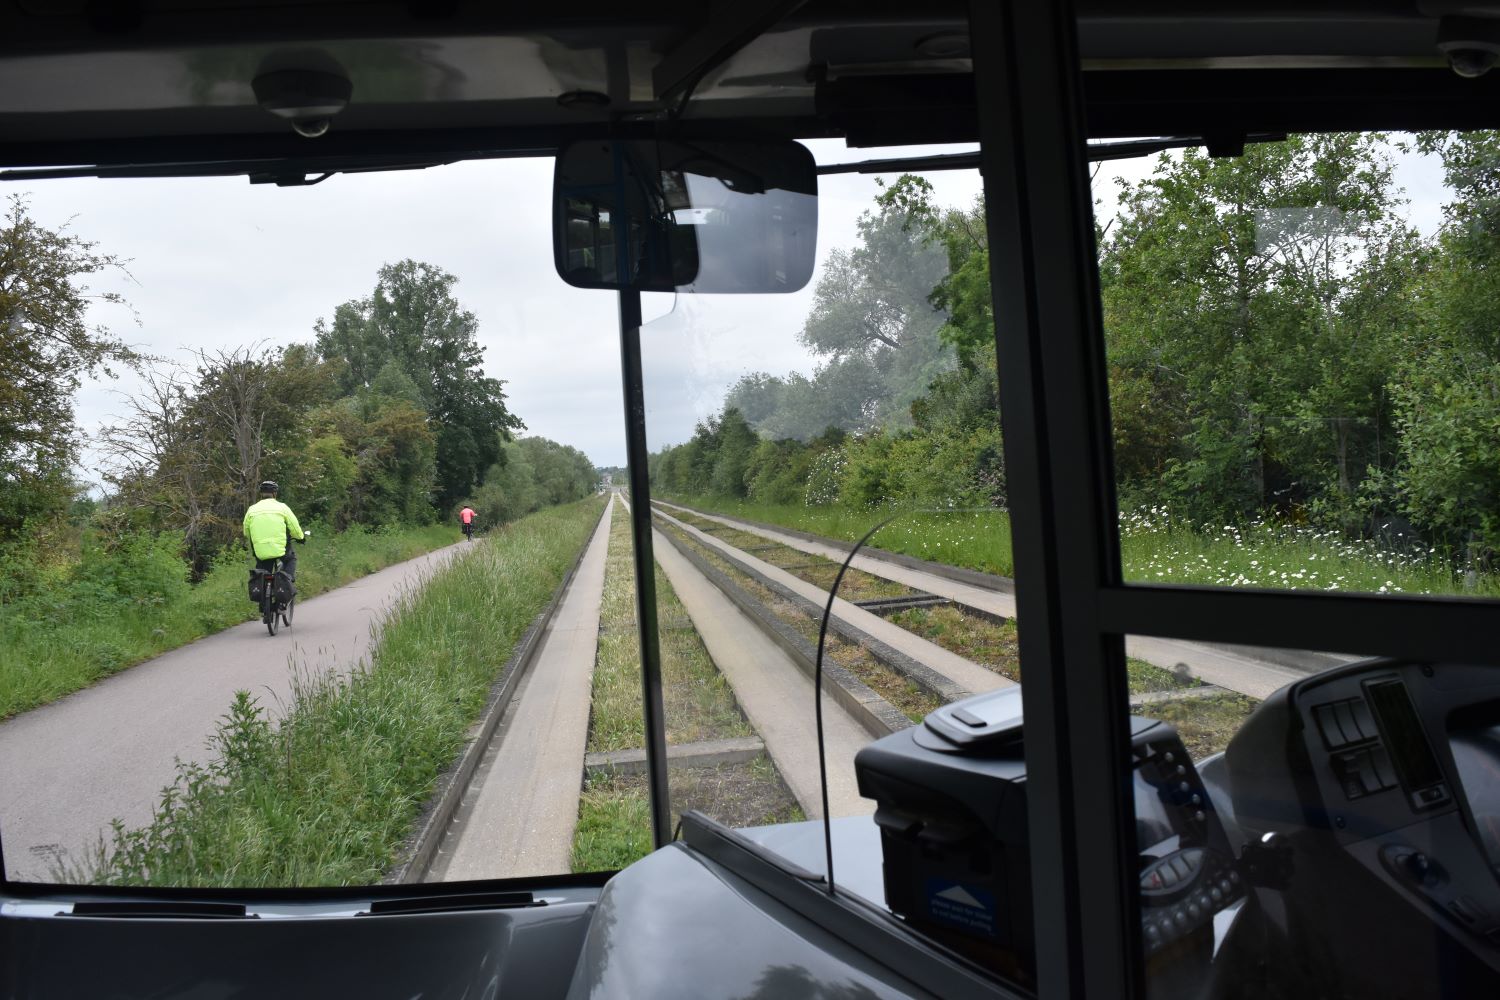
[(699, 703), (1207, 723), (327, 797), (1155, 549), (70, 636), (614, 814)]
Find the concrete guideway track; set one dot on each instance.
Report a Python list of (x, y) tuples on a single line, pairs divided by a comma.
[(1232, 670), (775, 694), (519, 812), (107, 751), (521, 807), (966, 674)]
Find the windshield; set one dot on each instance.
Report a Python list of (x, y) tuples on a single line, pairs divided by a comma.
[(317, 566), (314, 516)]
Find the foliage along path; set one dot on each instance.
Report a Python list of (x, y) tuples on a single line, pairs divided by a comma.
[(107, 751)]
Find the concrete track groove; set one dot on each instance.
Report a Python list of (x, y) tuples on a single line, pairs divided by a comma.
[(521, 808), (107, 751)]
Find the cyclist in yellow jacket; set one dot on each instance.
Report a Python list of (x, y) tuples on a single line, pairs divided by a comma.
[(271, 526)]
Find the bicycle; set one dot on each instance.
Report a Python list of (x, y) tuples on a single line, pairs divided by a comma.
[(273, 614)]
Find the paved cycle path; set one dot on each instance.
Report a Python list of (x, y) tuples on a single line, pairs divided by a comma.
[(68, 768)]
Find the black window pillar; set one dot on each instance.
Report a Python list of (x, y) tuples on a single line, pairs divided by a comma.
[(645, 564), (1044, 278)]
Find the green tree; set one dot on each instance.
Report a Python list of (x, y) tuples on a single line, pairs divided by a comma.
[(1251, 304), (1446, 387), (47, 345), (413, 320)]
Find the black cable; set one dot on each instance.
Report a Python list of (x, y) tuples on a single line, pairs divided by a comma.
[(818, 690), (818, 663)]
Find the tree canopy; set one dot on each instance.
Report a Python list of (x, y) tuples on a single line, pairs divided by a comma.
[(47, 345), (412, 321)]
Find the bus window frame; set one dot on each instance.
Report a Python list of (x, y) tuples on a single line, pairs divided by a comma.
[(1054, 405)]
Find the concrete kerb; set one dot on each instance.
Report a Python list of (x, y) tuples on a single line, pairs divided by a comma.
[(1309, 660), (878, 716), (917, 672), (958, 574), (1156, 697), (707, 753), (421, 846)]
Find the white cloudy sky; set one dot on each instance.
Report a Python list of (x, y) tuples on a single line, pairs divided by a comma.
[(221, 263)]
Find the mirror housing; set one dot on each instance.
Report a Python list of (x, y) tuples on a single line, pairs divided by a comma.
[(685, 215)]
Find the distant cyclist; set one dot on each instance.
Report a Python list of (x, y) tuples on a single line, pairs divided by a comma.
[(270, 526), (466, 518)]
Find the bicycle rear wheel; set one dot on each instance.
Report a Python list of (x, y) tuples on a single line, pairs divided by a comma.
[(270, 614)]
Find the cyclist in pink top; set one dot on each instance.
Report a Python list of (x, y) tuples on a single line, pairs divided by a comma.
[(466, 516)]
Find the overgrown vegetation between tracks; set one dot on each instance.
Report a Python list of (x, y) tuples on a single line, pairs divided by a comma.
[(983, 640), (614, 814), (698, 702), (614, 820), (908, 697), (112, 609), (326, 796)]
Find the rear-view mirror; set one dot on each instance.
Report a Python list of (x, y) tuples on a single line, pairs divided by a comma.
[(685, 215)]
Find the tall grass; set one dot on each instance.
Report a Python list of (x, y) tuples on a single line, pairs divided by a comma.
[(697, 700), (109, 611), (327, 796), (1155, 548)]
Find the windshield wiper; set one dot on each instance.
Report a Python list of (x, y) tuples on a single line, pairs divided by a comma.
[(160, 909), (454, 902)]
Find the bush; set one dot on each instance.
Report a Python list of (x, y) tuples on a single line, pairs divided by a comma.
[(778, 472), (825, 477)]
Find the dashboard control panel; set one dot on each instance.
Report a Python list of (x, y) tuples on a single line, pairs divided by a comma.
[(1187, 871)]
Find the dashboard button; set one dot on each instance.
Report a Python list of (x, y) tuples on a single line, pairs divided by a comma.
[(1346, 722), (1328, 725), (1381, 762), (1362, 719), (1217, 892), (1194, 911)]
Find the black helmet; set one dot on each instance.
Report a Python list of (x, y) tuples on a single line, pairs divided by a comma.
[(269, 486)]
